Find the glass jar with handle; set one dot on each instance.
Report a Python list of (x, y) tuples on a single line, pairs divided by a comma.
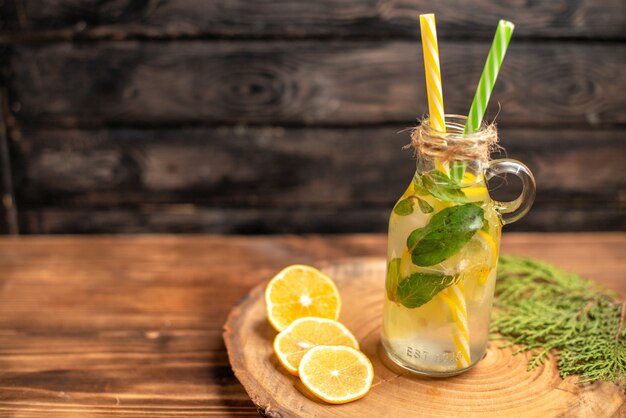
[(443, 245)]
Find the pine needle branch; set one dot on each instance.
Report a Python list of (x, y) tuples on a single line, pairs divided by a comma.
[(544, 310)]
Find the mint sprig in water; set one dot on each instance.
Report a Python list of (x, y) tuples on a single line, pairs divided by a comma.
[(416, 289), (443, 187), (446, 233), (436, 184), (424, 206), (419, 288), (405, 206)]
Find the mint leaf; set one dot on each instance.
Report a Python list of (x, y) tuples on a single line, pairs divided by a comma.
[(419, 288), (415, 236), (441, 178), (446, 233), (443, 187), (486, 226), (424, 206), (404, 207), (393, 278), (418, 185)]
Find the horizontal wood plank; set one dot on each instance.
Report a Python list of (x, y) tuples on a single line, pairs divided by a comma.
[(303, 82), (144, 339), (131, 326), (196, 219), (265, 167), (272, 180), (66, 19)]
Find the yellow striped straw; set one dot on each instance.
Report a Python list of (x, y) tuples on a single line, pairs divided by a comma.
[(433, 77), (453, 296), (433, 73)]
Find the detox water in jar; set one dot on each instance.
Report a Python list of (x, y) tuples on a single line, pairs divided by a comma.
[(443, 245)]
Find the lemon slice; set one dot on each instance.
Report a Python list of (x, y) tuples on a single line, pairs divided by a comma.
[(476, 194), (336, 374), (469, 178), (305, 333), (298, 291), (405, 263), (481, 254), (491, 244), (474, 189)]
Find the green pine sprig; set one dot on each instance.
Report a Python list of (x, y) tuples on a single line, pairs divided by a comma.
[(547, 311)]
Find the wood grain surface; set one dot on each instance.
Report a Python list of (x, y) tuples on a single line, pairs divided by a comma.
[(306, 82), (131, 326), (155, 98), (498, 385), (66, 19), (194, 178), (194, 219)]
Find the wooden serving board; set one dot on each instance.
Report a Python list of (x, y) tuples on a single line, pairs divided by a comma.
[(498, 385)]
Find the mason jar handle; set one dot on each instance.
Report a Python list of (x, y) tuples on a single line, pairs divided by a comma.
[(516, 209)]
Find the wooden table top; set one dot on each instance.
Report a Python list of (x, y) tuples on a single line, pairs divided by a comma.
[(132, 326)]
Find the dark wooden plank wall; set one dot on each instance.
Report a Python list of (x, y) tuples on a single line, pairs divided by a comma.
[(250, 116)]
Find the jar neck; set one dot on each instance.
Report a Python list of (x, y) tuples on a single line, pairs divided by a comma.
[(453, 145), (424, 165)]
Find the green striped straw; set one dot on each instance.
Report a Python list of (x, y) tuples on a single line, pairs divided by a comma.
[(485, 86)]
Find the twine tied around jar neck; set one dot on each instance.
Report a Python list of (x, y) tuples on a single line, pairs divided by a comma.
[(454, 145)]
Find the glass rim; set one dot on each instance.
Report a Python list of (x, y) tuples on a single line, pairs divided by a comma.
[(455, 125)]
